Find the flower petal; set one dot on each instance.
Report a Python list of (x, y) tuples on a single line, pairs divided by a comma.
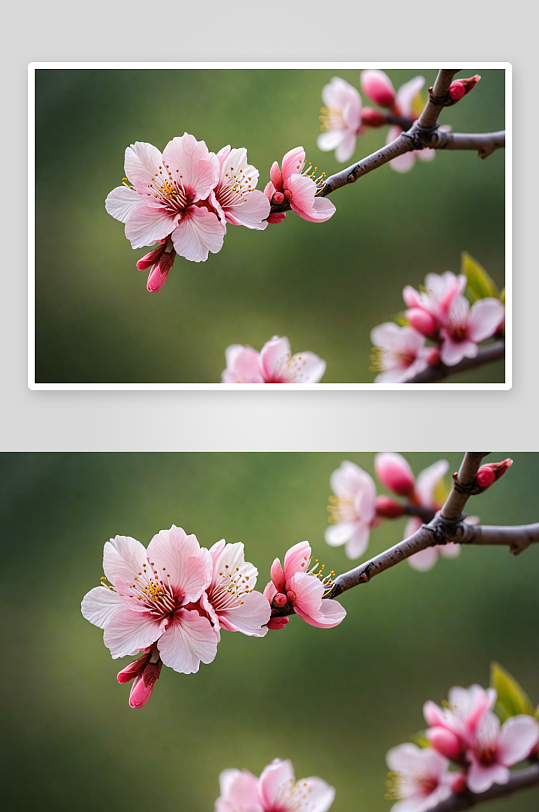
[(100, 604), (196, 169), (122, 202), (292, 163), (249, 616), (123, 557), (198, 233), (188, 641), (242, 365), (190, 566), (340, 533), (428, 479), (252, 212), (274, 778), (518, 736), (359, 542), (297, 559), (127, 632), (274, 353), (485, 317), (148, 225), (142, 161), (424, 560), (320, 795)]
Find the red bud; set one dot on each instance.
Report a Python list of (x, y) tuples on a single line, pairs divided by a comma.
[(488, 474), (373, 118), (388, 508)]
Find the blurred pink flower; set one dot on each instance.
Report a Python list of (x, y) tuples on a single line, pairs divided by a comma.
[(378, 87), (341, 119), (440, 291), (275, 791), (420, 779), (466, 326), (297, 184), (299, 586), (235, 197), (230, 599), (147, 602), (274, 364), (399, 353), (466, 708), (395, 473), (352, 509), (495, 749), (165, 198)]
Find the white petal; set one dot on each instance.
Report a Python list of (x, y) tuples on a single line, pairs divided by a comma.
[(187, 642), (100, 604), (121, 203)]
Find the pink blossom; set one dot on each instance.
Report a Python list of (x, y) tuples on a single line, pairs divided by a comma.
[(378, 87), (394, 472), (166, 197), (490, 473), (352, 509), (275, 791), (467, 706), (341, 119), (274, 364), (295, 184), (436, 300), (230, 599), (151, 598), (145, 672), (235, 197), (495, 749), (303, 589), (420, 779), (398, 352), (466, 326)]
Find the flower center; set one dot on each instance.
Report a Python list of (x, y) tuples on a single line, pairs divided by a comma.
[(235, 187), (229, 589), (331, 119), (387, 358), (169, 190), (341, 509)]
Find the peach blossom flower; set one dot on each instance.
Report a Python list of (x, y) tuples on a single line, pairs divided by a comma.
[(399, 353), (420, 779), (274, 364), (341, 119), (235, 197), (378, 87), (297, 184), (303, 589), (150, 600), (352, 509), (440, 291), (466, 708), (466, 326), (496, 748)]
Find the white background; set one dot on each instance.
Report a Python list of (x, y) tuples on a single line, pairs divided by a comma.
[(280, 30)]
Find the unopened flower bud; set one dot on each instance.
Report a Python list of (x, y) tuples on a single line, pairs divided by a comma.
[(445, 742), (421, 321), (277, 198), (394, 472), (276, 217), (378, 87), (433, 358), (148, 260), (287, 194), (488, 474), (458, 784), (461, 87), (373, 118), (158, 276), (277, 575), (134, 669), (291, 596), (388, 508), (280, 599), (277, 623)]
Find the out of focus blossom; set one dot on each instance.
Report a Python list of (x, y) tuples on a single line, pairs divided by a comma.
[(420, 778), (399, 353), (352, 509), (341, 119), (274, 364)]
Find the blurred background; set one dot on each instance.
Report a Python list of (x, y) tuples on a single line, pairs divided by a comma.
[(333, 701), (324, 286)]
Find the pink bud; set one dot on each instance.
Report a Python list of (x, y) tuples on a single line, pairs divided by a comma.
[(373, 118), (277, 198), (276, 176), (277, 622), (291, 596), (457, 91), (277, 575), (158, 275), (458, 784), (140, 693), (287, 194), (445, 742), (394, 472), (388, 508), (150, 259), (276, 217), (378, 87), (488, 474), (421, 321), (280, 599), (134, 669), (433, 358)]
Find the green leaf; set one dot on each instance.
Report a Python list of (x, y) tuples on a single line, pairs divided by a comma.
[(480, 285), (502, 296), (537, 712), (512, 700)]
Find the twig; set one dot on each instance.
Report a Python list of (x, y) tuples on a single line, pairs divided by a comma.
[(524, 779), (485, 355)]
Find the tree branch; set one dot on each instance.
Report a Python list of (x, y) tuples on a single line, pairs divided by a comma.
[(485, 355), (438, 98), (524, 779)]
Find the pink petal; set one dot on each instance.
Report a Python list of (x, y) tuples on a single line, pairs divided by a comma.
[(424, 560), (100, 604), (292, 163), (242, 365), (518, 736), (407, 93), (127, 632), (378, 87), (449, 550), (199, 232), (405, 758), (346, 148), (142, 161), (411, 526), (276, 179), (274, 778), (188, 641), (239, 791), (192, 165), (403, 163), (340, 533), (394, 471), (274, 353), (339, 93), (350, 479), (123, 557), (330, 140), (454, 351), (310, 368), (485, 317), (309, 591), (305, 204), (157, 278), (190, 567), (320, 794), (146, 226), (121, 203), (270, 591), (428, 479), (249, 617), (252, 213), (359, 541), (297, 559), (481, 778)]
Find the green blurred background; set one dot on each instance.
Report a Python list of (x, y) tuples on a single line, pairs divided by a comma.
[(334, 701), (324, 286)]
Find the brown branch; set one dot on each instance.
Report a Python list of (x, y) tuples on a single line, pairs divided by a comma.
[(485, 355), (422, 512), (438, 98), (524, 779)]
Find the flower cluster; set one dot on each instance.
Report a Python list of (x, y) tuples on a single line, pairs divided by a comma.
[(454, 324), (183, 199), (273, 364), (276, 789), (355, 508), (467, 734), (171, 601), (344, 118)]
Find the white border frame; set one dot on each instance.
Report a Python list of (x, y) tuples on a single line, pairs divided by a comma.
[(473, 66)]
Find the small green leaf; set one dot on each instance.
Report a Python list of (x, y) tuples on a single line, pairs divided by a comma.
[(502, 296), (480, 284), (512, 700)]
